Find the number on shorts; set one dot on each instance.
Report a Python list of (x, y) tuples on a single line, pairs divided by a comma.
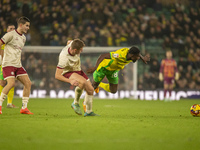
[(114, 75)]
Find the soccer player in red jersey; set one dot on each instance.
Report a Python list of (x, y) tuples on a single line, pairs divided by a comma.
[(10, 27), (69, 70), (12, 68), (168, 72)]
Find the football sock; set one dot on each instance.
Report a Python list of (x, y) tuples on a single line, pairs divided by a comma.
[(165, 93), (170, 92), (10, 95), (2, 98), (88, 101), (105, 86), (78, 92), (24, 102), (1, 88)]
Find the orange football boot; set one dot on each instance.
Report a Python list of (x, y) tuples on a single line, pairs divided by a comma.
[(84, 107), (26, 111), (97, 90)]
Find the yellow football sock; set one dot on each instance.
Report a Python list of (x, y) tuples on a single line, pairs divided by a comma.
[(1, 88), (105, 86), (11, 95)]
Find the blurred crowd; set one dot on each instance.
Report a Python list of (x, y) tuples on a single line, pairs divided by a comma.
[(152, 23)]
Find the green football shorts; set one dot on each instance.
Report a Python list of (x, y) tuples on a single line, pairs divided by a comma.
[(112, 76), (1, 74)]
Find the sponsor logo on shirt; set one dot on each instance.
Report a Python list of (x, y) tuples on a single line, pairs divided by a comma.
[(115, 55)]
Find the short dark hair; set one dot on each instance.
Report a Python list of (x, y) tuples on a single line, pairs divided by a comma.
[(23, 20), (77, 44), (134, 50), (10, 24)]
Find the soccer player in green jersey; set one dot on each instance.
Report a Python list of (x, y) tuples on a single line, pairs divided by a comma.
[(109, 65)]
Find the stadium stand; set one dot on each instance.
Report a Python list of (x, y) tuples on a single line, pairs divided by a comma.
[(159, 25)]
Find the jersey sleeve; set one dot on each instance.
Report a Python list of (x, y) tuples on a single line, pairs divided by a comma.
[(62, 63), (7, 38)]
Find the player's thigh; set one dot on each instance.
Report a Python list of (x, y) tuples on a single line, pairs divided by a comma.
[(10, 82), (171, 86), (24, 79), (99, 75), (112, 77), (169, 83), (78, 78), (166, 86)]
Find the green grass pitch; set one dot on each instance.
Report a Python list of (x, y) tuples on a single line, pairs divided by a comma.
[(123, 125)]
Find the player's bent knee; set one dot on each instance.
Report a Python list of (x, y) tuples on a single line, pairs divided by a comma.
[(89, 90), (81, 84)]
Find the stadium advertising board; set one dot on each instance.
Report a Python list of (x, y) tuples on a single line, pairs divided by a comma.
[(142, 95)]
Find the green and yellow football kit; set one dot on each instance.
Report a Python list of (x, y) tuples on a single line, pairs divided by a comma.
[(110, 67)]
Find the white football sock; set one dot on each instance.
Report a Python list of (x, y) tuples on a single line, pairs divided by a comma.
[(88, 101), (2, 98), (78, 92), (24, 102)]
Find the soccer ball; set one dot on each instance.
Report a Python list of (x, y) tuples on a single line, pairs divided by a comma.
[(195, 110)]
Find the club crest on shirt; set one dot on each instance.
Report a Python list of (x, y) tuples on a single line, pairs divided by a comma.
[(12, 73), (115, 55)]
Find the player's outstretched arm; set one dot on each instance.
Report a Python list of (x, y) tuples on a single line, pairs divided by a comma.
[(99, 60), (145, 58)]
